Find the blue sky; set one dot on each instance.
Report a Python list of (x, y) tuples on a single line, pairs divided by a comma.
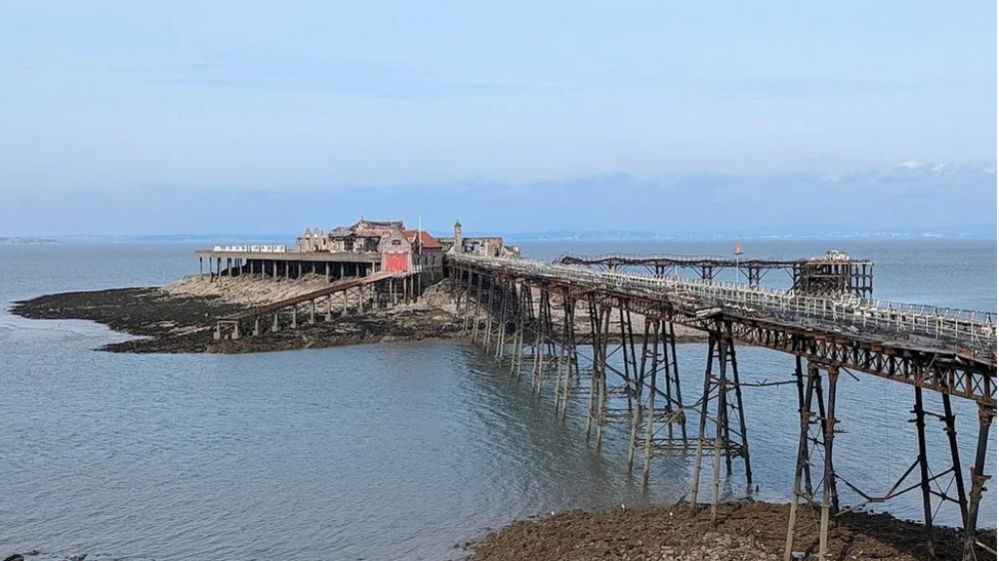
[(196, 103)]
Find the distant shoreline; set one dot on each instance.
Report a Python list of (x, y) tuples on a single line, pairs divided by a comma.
[(28, 241), (530, 237)]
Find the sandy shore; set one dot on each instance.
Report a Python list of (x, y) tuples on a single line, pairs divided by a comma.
[(744, 532)]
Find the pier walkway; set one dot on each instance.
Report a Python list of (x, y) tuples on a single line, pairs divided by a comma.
[(357, 293)]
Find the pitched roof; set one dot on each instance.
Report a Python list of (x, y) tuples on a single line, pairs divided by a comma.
[(428, 241)]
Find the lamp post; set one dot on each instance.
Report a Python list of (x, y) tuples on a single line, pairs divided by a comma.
[(738, 252)]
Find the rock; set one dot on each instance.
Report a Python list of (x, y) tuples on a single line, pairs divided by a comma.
[(15, 557)]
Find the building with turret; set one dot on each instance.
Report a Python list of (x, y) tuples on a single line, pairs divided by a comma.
[(486, 246)]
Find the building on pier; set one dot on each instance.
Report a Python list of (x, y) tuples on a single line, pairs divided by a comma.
[(361, 249)]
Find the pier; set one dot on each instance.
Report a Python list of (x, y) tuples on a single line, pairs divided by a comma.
[(599, 333), (573, 329)]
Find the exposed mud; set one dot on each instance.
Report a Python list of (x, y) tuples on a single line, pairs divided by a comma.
[(744, 532)]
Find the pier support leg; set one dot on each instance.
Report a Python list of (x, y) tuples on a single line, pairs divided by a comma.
[(721, 427), (801, 467), (830, 503), (569, 345), (256, 326), (501, 324), (636, 413), (651, 408), (678, 400), (924, 473), (743, 431), (475, 312), (986, 413), (702, 425), (955, 456), (489, 314), (717, 388)]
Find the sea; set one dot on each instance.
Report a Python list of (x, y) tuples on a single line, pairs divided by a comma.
[(401, 451)]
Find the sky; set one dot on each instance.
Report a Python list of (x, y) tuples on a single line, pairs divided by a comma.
[(188, 117)]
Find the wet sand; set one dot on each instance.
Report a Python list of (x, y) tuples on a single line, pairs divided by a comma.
[(744, 532)]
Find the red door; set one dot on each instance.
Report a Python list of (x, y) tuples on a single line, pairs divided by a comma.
[(396, 262)]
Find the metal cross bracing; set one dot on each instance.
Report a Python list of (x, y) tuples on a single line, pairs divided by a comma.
[(380, 289), (607, 339)]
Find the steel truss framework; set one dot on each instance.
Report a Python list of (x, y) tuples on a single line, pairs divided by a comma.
[(564, 329)]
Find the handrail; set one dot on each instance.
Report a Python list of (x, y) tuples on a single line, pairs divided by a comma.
[(972, 329)]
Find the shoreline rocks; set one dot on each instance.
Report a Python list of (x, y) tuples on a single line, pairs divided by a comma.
[(180, 318), (745, 531)]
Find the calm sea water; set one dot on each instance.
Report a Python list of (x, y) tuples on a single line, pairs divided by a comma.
[(376, 452)]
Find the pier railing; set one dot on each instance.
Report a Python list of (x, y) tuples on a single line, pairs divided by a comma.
[(972, 330)]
